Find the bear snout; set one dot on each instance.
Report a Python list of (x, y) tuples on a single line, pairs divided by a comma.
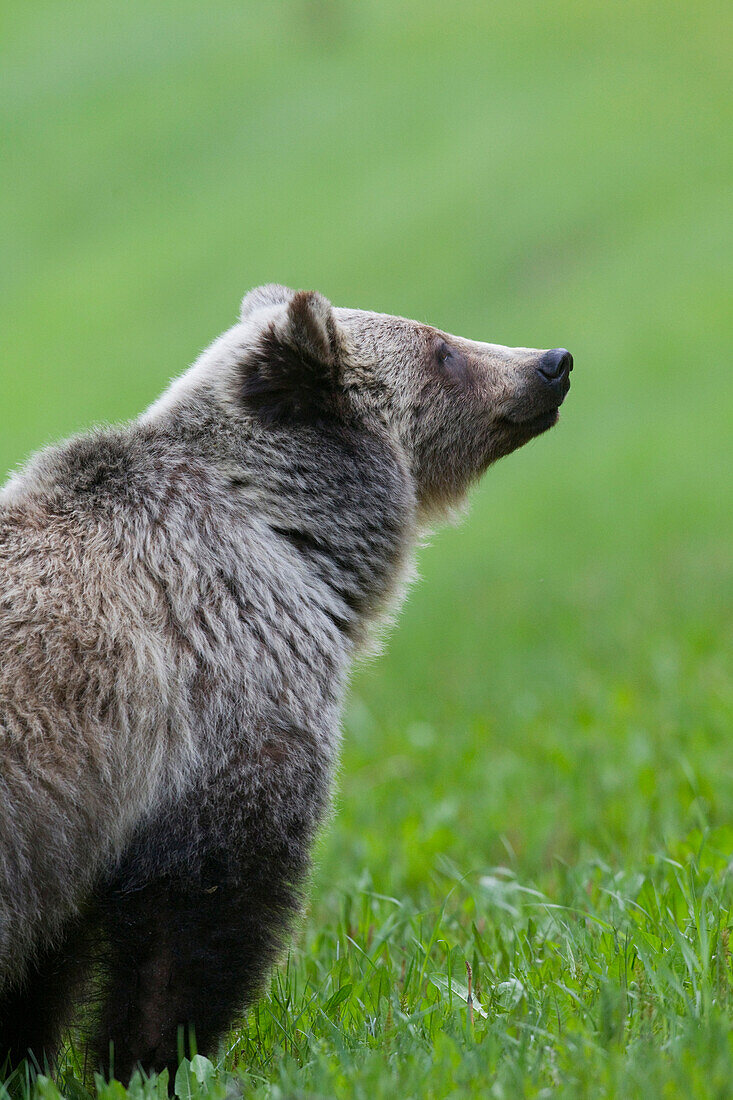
[(555, 366), (546, 382), (550, 380)]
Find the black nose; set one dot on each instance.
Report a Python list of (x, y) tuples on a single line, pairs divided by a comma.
[(555, 364)]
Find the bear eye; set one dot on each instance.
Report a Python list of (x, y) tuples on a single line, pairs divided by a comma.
[(451, 362), (444, 352)]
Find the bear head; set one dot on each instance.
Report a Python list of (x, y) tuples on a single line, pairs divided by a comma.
[(452, 406)]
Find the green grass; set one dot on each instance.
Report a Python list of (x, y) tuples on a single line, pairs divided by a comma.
[(538, 774)]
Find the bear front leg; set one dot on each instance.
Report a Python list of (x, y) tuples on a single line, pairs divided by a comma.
[(195, 915), (198, 908), (183, 961)]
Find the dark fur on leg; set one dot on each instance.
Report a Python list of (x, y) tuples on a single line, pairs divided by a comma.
[(181, 959), (197, 912)]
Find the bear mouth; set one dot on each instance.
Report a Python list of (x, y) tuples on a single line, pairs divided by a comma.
[(534, 425), (542, 422)]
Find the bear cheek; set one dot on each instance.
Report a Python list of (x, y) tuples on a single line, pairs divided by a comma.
[(452, 447)]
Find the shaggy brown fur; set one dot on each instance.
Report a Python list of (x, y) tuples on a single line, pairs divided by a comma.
[(180, 599)]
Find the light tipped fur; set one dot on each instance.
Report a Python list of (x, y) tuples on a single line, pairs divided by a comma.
[(263, 296)]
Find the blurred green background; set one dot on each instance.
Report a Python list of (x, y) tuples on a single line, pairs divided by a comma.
[(559, 685)]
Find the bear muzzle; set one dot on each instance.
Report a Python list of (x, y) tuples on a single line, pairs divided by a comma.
[(536, 407)]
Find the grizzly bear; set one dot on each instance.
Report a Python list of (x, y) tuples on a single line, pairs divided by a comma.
[(180, 601)]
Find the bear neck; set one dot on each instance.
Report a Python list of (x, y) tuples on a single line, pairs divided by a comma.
[(337, 497)]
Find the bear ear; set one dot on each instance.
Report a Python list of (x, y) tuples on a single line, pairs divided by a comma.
[(294, 370), (310, 327), (273, 294)]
